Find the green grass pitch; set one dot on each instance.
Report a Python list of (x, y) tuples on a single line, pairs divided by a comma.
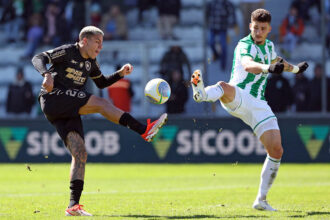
[(164, 191)]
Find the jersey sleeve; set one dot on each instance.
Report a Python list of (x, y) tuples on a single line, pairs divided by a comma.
[(273, 52), (58, 54), (95, 72), (246, 49)]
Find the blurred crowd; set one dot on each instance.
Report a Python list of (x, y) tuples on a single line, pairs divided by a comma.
[(56, 22)]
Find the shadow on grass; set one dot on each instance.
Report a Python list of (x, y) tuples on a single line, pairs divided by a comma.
[(184, 217), (310, 214)]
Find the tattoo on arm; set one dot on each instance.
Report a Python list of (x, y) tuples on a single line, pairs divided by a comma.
[(287, 66), (76, 146)]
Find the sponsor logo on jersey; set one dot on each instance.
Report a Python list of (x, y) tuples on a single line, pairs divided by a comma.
[(313, 137), (57, 54), (163, 140), (12, 139), (88, 65), (75, 75)]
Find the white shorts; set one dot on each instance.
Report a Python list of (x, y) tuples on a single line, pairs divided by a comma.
[(254, 112)]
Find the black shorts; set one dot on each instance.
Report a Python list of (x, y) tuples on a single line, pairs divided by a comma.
[(61, 108)]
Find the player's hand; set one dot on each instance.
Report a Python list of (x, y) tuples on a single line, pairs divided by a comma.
[(277, 68), (48, 82), (302, 67), (126, 69)]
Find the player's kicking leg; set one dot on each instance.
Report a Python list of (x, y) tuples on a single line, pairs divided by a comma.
[(197, 83), (112, 113), (220, 90)]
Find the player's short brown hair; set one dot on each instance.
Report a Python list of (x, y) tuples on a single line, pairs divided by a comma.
[(89, 31), (261, 15)]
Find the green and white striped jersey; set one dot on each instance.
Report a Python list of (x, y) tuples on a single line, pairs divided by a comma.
[(255, 84)]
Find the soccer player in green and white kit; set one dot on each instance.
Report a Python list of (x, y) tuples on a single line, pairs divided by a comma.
[(243, 96)]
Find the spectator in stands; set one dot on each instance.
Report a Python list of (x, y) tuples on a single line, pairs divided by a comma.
[(34, 36), (78, 17), (247, 7), (96, 14), (179, 94), (114, 24), (221, 16), (304, 6), (121, 93), (144, 5), (279, 93), (301, 93), (315, 89), (12, 17), (327, 9), (175, 59), (291, 30), (20, 98), (169, 15), (53, 16)]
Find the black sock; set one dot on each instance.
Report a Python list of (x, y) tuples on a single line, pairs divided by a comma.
[(76, 187), (128, 121)]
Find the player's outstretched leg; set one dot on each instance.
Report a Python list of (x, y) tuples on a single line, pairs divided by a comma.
[(197, 83), (209, 94), (153, 127), (112, 113)]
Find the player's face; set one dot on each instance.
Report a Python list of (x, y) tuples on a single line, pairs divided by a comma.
[(94, 45), (259, 31)]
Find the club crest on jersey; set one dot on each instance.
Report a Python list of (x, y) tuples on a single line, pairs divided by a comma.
[(88, 65)]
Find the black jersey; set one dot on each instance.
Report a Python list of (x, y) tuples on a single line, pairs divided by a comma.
[(69, 69)]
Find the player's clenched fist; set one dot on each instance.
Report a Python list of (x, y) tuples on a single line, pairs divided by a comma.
[(126, 69), (302, 67), (48, 82)]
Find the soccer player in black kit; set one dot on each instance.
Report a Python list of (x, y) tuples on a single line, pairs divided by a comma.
[(63, 100)]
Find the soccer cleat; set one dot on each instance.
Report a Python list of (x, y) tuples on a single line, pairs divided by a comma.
[(262, 205), (76, 210), (199, 93), (153, 128)]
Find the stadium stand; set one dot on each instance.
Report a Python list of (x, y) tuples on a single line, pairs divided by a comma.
[(144, 50)]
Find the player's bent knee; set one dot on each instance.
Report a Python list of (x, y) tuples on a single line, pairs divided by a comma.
[(226, 87), (229, 92)]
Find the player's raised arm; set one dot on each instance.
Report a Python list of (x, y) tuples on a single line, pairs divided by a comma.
[(256, 68), (102, 81), (300, 68)]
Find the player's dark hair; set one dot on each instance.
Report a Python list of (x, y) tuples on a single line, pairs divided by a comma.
[(89, 31), (261, 15)]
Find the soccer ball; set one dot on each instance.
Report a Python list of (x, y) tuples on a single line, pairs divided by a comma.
[(157, 91)]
